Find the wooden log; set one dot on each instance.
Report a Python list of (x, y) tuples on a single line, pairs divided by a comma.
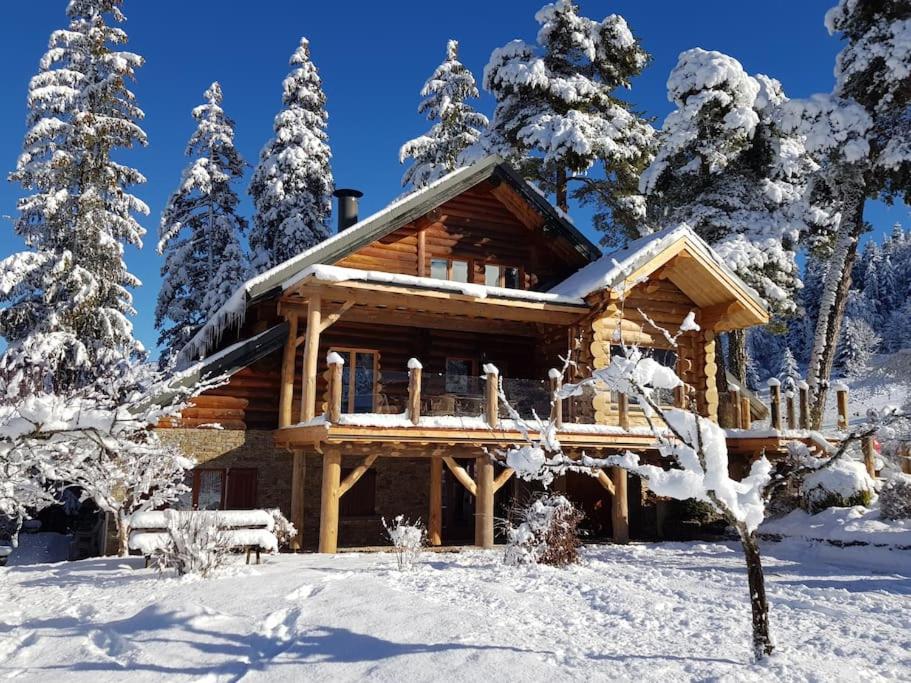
[(298, 480), (492, 395), (905, 457), (620, 506), (414, 390), (355, 474), (680, 396), (311, 354), (775, 403), (867, 448), (709, 371), (483, 528), (287, 377), (461, 475), (502, 478), (734, 398), (623, 411), (841, 399), (790, 409), (606, 482), (803, 390), (329, 495), (746, 417), (435, 516), (556, 409), (336, 368)]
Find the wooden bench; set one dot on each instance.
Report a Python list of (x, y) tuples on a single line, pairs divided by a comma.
[(246, 530)]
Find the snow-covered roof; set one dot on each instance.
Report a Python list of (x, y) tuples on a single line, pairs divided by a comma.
[(395, 215), (612, 269), (325, 273)]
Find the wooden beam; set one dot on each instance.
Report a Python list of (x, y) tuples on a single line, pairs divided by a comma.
[(502, 478), (286, 397), (620, 506), (333, 318), (422, 254), (311, 352), (329, 495), (461, 475), (606, 482), (298, 480), (435, 515), (355, 474), (483, 502)]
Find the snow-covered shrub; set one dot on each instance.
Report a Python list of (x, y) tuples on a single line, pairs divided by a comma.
[(407, 540), (284, 529), (547, 533), (895, 498), (844, 483), (195, 545)]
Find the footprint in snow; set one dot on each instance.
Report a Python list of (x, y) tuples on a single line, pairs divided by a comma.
[(303, 592), (113, 646)]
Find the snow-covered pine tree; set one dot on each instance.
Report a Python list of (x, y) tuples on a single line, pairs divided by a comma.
[(456, 126), (788, 371), (558, 114), (200, 230), (292, 184), (858, 343), (861, 137), (66, 300)]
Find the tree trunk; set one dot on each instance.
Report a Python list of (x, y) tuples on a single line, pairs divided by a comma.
[(123, 533), (762, 641), (562, 202), (737, 355), (834, 295)]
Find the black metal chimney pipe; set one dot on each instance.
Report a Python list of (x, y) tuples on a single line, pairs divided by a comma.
[(347, 207)]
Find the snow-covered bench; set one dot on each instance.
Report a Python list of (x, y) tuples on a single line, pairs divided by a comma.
[(246, 530)]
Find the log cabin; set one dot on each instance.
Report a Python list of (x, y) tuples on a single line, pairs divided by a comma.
[(362, 374)]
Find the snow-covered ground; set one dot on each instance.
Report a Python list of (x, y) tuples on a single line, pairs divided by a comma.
[(646, 612)]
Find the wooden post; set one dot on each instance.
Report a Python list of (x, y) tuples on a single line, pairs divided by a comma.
[(483, 502), (287, 389), (311, 352), (680, 396), (414, 391), (328, 516), (492, 395), (841, 398), (775, 402), (803, 392), (866, 447), (746, 417), (435, 517), (790, 409), (623, 411), (620, 506), (710, 368), (904, 454), (336, 368), (556, 410), (734, 398), (298, 479)]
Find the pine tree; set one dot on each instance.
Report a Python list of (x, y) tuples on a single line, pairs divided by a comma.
[(67, 299), (558, 113), (457, 126), (858, 343), (292, 184), (788, 371), (200, 230)]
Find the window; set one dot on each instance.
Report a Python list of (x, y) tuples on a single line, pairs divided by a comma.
[(502, 276), (459, 374), (232, 488), (358, 380), (456, 270), (360, 500)]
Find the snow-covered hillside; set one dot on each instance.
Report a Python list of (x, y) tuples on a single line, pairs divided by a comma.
[(656, 612)]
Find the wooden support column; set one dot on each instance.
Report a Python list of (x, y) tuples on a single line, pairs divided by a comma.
[(866, 447), (775, 402), (336, 368), (623, 411), (620, 505), (841, 399), (556, 409), (803, 390), (415, 369), (734, 398), (287, 388), (746, 418), (492, 395), (435, 516), (329, 495), (790, 409), (298, 479), (483, 502), (311, 353)]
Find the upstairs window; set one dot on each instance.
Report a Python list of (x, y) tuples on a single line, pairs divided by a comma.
[(456, 270), (502, 276)]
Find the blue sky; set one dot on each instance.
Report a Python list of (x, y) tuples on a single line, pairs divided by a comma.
[(373, 58)]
